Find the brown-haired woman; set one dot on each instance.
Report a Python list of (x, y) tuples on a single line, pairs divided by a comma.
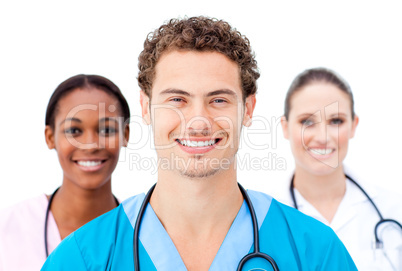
[(319, 121)]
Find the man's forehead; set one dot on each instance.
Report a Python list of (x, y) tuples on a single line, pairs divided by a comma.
[(194, 71)]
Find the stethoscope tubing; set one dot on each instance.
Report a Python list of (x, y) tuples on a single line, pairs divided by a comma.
[(256, 253), (49, 205), (378, 242), (137, 228), (367, 196), (249, 256)]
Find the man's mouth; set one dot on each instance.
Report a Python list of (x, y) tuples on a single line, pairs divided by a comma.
[(197, 143)]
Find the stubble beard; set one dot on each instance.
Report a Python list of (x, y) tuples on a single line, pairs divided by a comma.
[(202, 170)]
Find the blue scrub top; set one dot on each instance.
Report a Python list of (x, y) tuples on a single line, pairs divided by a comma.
[(295, 241)]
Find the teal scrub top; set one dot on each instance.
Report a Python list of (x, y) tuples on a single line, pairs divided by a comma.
[(295, 241)]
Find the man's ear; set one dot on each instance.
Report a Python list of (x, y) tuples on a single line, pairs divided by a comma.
[(285, 126), (249, 109), (49, 137), (144, 100)]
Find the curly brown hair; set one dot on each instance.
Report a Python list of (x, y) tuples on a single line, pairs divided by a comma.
[(198, 34)]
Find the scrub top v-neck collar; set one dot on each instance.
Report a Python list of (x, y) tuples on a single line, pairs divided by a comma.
[(164, 254)]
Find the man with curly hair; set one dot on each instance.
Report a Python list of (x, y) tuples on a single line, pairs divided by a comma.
[(198, 84)]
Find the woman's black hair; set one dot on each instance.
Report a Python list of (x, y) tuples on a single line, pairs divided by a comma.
[(317, 75), (83, 81)]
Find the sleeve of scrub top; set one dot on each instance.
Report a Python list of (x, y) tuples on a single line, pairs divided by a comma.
[(337, 257), (66, 257)]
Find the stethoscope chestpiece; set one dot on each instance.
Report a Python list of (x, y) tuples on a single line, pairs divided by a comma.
[(254, 255)]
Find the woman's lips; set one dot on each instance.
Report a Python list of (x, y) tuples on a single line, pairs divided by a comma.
[(90, 165), (321, 153)]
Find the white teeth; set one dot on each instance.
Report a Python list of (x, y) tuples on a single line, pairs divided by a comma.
[(192, 144), (322, 151), (89, 163), (189, 143)]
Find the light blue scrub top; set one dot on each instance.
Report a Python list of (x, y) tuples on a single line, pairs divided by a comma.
[(295, 241)]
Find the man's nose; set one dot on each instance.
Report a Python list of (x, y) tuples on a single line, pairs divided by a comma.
[(199, 121)]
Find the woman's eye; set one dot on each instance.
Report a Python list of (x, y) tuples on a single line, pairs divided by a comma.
[(72, 131), (307, 122), (336, 121), (107, 131)]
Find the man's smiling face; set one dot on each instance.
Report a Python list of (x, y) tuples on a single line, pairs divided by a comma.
[(196, 111)]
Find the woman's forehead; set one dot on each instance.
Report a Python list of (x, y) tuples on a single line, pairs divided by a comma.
[(320, 97), (86, 101)]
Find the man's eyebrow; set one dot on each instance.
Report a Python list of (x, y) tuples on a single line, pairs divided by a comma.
[(175, 91), (70, 119), (222, 91), (209, 94)]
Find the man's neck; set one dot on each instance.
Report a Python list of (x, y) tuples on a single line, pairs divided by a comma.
[(196, 202), (197, 213)]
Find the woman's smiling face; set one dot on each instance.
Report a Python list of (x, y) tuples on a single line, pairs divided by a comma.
[(88, 133), (319, 127)]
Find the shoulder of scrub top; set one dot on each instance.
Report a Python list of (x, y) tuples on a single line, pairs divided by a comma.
[(96, 241), (29, 208), (312, 243)]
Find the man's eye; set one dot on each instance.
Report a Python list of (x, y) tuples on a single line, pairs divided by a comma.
[(219, 101), (177, 100)]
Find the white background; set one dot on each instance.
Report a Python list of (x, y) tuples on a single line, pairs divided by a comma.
[(43, 43)]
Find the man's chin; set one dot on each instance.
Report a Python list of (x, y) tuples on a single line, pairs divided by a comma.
[(199, 174)]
